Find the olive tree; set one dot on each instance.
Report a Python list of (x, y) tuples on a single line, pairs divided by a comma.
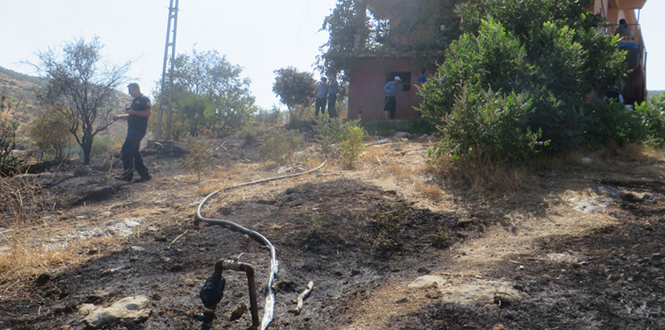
[(216, 82), (82, 86), (294, 88)]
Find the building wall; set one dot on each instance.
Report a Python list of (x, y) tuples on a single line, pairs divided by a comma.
[(614, 10), (366, 95)]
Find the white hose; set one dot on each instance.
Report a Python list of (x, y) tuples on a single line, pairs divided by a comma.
[(274, 264)]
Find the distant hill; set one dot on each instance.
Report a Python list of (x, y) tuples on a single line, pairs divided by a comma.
[(22, 91), (655, 93)]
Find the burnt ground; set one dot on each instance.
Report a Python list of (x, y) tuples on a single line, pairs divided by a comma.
[(354, 240)]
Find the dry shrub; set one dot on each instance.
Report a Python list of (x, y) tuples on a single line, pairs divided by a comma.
[(628, 153), (373, 155), (21, 201), (26, 256), (483, 175), (430, 191), (398, 171)]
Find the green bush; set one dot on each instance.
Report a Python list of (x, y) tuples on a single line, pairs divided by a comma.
[(490, 126), (651, 115), (329, 132), (200, 153), (609, 122), (388, 225), (442, 238), (352, 144), (280, 144), (272, 116), (530, 61)]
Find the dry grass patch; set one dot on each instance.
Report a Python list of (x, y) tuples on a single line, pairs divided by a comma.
[(26, 255), (430, 191), (21, 200)]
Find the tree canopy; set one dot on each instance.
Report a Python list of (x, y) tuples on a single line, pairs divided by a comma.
[(421, 28), (212, 78), (294, 88), (81, 85)]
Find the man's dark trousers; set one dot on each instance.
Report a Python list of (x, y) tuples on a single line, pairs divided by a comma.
[(320, 104), (131, 156), (332, 111)]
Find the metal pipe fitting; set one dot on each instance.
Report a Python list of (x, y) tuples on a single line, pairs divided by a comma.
[(249, 270)]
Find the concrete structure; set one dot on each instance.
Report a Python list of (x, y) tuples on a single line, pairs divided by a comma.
[(366, 95), (634, 89), (372, 72), (614, 10)]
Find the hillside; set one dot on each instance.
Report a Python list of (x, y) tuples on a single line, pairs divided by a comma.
[(392, 244), (21, 91), (655, 93)]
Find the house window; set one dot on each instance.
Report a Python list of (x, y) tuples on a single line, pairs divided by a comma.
[(406, 80)]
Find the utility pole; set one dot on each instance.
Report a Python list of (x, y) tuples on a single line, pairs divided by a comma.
[(168, 49)]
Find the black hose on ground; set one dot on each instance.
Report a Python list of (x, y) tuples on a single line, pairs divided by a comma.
[(274, 264)]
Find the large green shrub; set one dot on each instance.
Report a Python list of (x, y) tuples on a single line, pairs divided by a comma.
[(489, 125), (540, 53)]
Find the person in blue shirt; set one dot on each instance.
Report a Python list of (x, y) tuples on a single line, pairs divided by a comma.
[(422, 79), (321, 95), (332, 95), (390, 104), (136, 116)]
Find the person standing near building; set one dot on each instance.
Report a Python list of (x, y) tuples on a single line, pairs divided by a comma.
[(422, 79), (332, 95), (136, 116), (623, 29), (390, 103), (321, 94)]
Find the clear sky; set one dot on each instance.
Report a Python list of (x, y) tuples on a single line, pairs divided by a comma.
[(259, 35)]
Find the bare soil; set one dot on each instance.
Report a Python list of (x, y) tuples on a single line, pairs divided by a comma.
[(362, 236)]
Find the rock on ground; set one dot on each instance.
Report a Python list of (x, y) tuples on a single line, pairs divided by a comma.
[(128, 309)]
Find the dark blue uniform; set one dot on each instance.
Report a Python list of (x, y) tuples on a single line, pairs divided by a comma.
[(136, 129)]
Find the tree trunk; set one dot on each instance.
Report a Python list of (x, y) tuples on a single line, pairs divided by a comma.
[(360, 18), (86, 146)]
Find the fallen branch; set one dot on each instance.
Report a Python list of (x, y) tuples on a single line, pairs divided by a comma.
[(302, 297), (177, 238)]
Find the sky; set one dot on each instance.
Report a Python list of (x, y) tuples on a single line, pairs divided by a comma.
[(258, 35)]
